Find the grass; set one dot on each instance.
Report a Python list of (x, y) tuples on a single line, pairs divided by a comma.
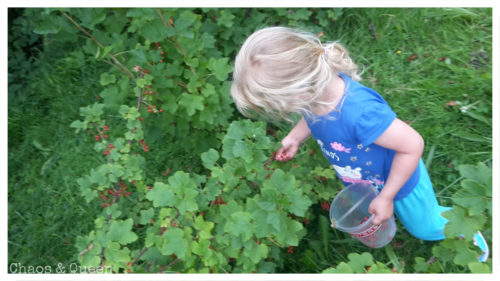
[(45, 157), (452, 63)]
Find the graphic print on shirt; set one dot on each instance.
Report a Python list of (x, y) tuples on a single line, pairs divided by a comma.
[(354, 175), (328, 153), (339, 147), (350, 175)]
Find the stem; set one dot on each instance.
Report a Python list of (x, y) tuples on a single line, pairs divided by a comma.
[(175, 39), (392, 256), (170, 264), (139, 99), (114, 65), (99, 44), (144, 250), (115, 194), (276, 243), (90, 247)]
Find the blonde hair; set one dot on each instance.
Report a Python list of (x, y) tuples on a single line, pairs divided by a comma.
[(281, 70)]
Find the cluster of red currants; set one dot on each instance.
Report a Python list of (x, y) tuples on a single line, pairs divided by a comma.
[(219, 201), (146, 148), (110, 194)]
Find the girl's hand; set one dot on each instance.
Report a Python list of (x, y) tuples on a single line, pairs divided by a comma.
[(382, 208), (292, 141), (288, 150)]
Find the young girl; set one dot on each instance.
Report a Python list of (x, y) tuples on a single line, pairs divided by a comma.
[(281, 71)]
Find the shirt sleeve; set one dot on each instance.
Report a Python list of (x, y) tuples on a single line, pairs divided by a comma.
[(375, 118)]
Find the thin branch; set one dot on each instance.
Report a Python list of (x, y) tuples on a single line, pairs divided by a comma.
[(115, 194), (99, 44), (144, 250), (170, 264), (91, 246), (83, 30), (180, 84), (167, 24), (114, 65), (139, 99)]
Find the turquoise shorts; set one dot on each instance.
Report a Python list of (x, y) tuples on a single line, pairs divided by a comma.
[(419, 211)]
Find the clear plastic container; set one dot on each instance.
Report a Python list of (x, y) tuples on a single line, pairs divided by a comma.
[(349, 213)]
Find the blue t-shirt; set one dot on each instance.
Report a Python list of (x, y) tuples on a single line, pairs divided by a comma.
[(347, 139)]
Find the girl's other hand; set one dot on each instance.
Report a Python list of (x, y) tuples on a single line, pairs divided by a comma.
[(382, 208)]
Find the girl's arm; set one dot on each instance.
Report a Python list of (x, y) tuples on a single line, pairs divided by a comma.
[(408, 145), (292, 141)]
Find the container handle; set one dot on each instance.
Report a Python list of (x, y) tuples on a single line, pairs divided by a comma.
[(350, 210)]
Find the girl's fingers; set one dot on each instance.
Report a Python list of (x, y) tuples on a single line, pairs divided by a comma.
[(280, 156)]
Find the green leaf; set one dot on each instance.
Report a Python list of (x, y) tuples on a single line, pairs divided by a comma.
[(50, 24), (202, 248), (208, 41), (154, 30), (107, 78), (115, 256), (472, 195), (241, 149), (300, 14), (161, 195), (129, 112), (78, 125), (220, 68), (114, 211), (358, 262), (299, 202), (421, 264), (225, 19), (274, 219), (341, 268), (112, 97), (267, 223), (174, 243), (463, 254), (183, 23), (209, 158), (443, 253), (462, 224), (191, 103), (201, 224), (121, 231), (479, 267), (240, 225), (187, 202), (203, 227), (281, 182), (93, 251), (379, 267), (99, 176), (480, 173), (146, 216), (89, 17), (289, 232), (185, 192), (230, 208), (256, 252)]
